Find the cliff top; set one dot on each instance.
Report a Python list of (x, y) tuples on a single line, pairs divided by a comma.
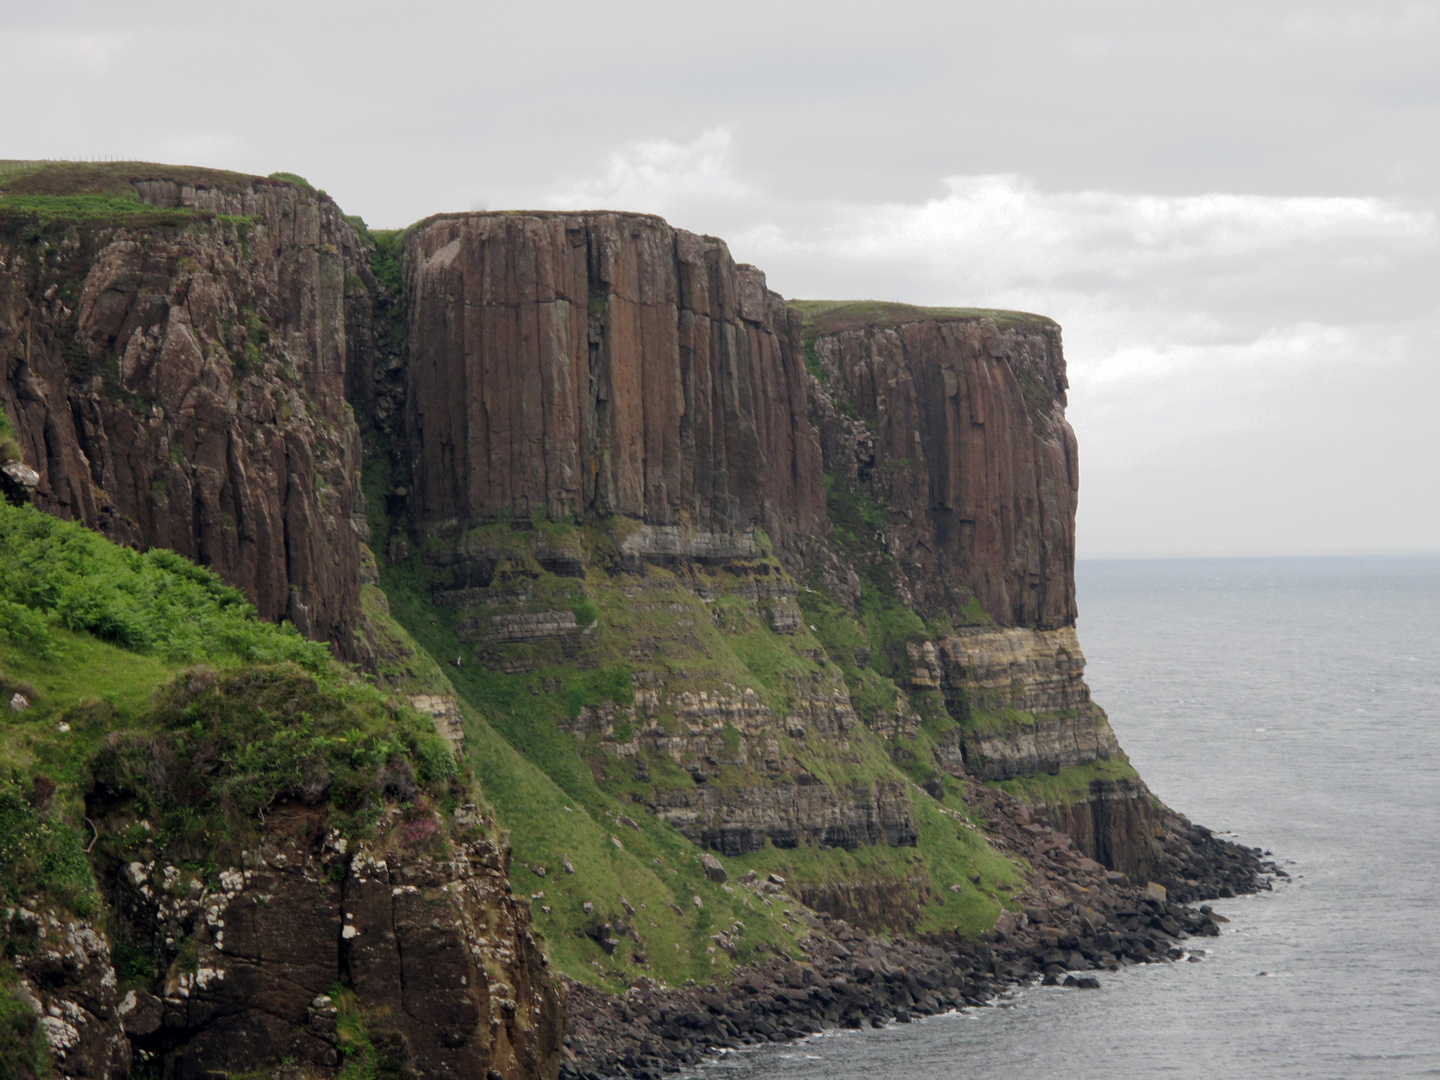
[(88, 189), (836, 316), (575, 215)]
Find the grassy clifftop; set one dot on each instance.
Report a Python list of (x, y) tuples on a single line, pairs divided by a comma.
[(836, 316), (106, 192)]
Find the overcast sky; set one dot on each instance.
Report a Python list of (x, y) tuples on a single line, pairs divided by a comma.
[(1230, 207)]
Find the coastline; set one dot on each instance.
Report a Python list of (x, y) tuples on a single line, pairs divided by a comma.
[(848, 977)]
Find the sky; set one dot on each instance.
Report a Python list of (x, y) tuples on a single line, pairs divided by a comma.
[(1231, 208)]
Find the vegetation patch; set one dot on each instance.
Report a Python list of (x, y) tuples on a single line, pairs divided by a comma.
[(221, 750), (1070, 785), (837, 316), (155, 601)]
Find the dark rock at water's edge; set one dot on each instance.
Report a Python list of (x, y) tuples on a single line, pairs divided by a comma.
[(1078, 919)]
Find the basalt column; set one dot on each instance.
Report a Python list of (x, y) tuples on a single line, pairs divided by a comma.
[(179, 381), (581, 365), (962, 432)]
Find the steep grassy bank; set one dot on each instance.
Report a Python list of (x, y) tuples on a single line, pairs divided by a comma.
[(563, 780), (151, 719)]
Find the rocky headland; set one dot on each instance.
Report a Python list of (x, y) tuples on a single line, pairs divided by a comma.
[(749, 624)]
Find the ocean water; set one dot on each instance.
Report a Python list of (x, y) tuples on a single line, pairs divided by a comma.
[(1294, 702)]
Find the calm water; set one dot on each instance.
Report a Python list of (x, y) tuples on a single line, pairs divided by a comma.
[(1295, 702)]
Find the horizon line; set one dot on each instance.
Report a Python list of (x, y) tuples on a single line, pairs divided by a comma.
[(1258, 553)]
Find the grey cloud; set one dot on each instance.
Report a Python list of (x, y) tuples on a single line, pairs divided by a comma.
[(1213, 355)]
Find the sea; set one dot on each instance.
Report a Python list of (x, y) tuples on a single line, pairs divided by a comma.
[(1293, 704)]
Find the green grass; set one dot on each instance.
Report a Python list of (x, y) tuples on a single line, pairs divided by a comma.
[(9, 440), (911, 888), (40, 853), (60, 574), (155, 693), (24, 1053), (836, 316), (373, 1048), (886, 625), (296, 179), (101, 206), (45, 193), (1068, 786), (546, 795)]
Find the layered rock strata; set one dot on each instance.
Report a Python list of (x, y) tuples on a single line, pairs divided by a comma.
[(1023, 697), (179, 382), (955, 422), (575, 365)]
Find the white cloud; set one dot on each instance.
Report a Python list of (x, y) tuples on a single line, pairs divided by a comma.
[(998, 235), (1190, 320), (654, 176)]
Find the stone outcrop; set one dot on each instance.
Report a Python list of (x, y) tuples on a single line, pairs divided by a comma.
[(1076, 923), (67, 977), (581, 365), (955, 422), (989, 675), (607, 449), (435, 954), (180, 383), (778, 801)]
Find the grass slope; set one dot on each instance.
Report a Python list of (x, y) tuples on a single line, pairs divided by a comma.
[(562, 797), (837, 316), (153, 687)]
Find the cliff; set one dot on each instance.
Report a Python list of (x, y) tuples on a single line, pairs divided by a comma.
[(744, 621), (954, 419), (280, 863), (575, 365), (173, 351)]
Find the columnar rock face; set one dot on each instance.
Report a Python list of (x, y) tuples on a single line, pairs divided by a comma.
[(955, 420), (579, 365), (179, 381)]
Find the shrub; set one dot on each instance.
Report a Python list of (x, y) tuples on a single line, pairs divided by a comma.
[(230, 746), (40, 853), (154, 601)]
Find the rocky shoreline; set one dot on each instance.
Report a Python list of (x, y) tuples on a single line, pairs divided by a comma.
[(1076, 919)]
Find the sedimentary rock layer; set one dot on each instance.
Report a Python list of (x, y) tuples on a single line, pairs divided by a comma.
[(181, 384), (1023, 697), (961, 433), (578, 365), (1077, 918)]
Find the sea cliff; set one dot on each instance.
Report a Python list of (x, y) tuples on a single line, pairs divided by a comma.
[(747, 627)]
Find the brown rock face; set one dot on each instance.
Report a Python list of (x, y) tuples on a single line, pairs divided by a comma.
[(68, 981), (180, 383), (1040, 672), (437, 954), (955, 421), (602, 364)]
